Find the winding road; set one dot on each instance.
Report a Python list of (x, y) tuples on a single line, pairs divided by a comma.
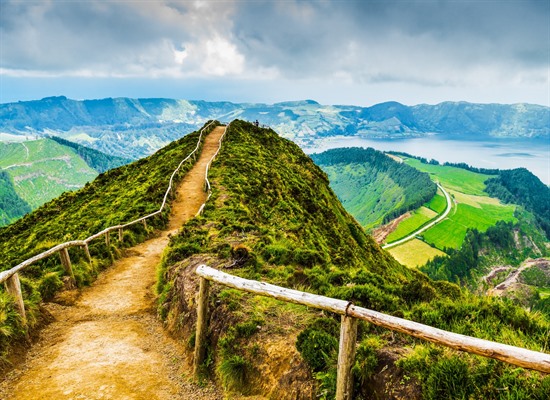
[(429, 225)]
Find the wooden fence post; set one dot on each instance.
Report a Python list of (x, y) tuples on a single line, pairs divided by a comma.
[(108, 239), (66, 261), (202, 327), (346, 357), (13, 287), (145, 224), (88, 255), (120, 237)]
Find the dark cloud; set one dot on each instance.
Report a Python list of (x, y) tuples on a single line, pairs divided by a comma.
[(482, 45)]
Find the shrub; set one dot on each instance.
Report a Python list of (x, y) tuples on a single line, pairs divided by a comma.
[(233, 372), (49, 285), (318, 348)]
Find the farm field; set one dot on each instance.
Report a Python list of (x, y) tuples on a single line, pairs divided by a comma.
[(468, 214), (472, 209), (418, 218), (453, 178), (414, 253)]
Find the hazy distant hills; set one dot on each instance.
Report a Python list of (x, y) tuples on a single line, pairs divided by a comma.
[(137, 127)]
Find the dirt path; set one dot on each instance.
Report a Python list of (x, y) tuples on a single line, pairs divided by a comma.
[(109, 344)]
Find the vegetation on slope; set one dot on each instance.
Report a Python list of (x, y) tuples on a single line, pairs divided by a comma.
[(519, 186), (97, 160), (12, 206), (117, 196), (272, 217), (373, 187), (43, 169)]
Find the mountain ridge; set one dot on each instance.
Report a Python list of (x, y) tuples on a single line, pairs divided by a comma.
[(147, 124)]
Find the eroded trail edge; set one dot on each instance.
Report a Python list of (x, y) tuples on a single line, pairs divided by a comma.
[(109, 344)]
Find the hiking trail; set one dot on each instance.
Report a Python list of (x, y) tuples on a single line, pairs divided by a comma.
[(110, 344)]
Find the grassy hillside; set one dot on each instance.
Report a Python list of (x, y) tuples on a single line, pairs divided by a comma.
[(41, 170), (273, 217), (373, 187), (12, 206), (117, 196), (97, 160), (472, 207)]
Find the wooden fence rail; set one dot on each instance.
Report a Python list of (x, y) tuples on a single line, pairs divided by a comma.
[(350, 313), (10, 277)]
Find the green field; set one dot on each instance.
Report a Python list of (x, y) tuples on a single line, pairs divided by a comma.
[(43, 169), (418, 218), (414, 253), (544, 292), (472, 209), (451, 231), (437, 203), (453, 178)]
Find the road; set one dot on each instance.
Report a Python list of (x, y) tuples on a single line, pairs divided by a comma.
[(429, 225)]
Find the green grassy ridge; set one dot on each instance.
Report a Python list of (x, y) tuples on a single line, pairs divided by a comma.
[(273, 217), (117, 196), (520, 186), (365, 192), (97, 160), (43, 169), (372, 186)]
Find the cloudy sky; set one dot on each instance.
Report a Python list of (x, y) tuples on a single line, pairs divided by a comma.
[(332, 51)]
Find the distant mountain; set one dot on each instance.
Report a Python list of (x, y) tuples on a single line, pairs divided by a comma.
[(134, 128)]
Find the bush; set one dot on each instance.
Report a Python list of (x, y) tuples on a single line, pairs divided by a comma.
[(49, 285), (233, 372), (318, 348)]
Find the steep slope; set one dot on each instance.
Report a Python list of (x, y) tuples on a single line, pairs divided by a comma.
[(41, 170), (12, 206), (97, 160), (273, 217), (373, 187)]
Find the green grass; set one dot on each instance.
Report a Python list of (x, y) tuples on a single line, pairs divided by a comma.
[(273, 218), (451, 231), (544, 292), (453, 178), (438, 203), (365, 193), (117, 196), (410, 224), (46, 171), (414, 253)]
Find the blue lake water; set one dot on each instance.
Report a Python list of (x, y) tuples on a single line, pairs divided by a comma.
[(495, 153)]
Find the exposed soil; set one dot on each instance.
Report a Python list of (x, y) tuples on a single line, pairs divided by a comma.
[(380, 234), (513, 277), (109, 343)]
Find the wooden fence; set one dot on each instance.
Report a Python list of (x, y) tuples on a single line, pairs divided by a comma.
[(10, 278), (348, 331)]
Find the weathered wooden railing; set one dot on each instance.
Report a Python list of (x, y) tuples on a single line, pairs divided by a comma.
[(207, 186), (11, 276), (348, 332)]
